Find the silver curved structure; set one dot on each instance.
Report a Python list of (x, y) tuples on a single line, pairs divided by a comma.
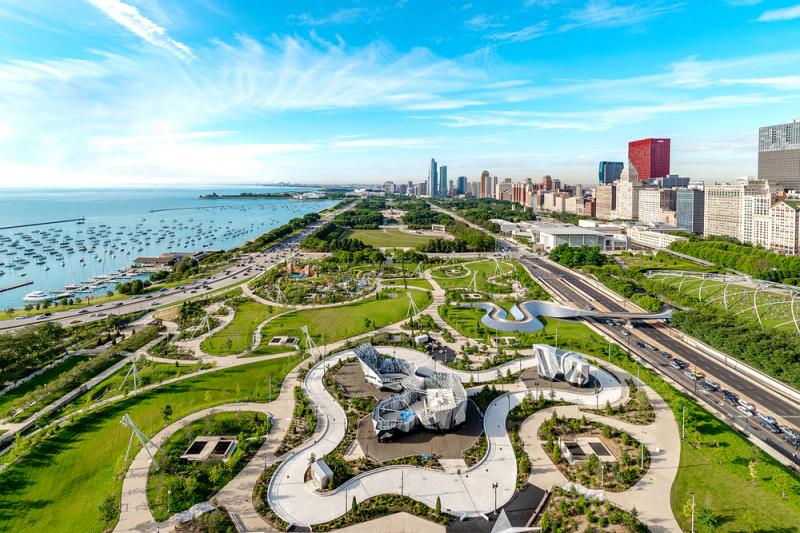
[(553, 362), (382, 372), (525, 315), (437, 402)]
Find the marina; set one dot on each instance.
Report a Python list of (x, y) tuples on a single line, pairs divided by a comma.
[(81, 257)]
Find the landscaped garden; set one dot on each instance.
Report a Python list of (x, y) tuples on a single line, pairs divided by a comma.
[(175, 484), (84, 460), (330, 324), (459, 276), (571, 511), (237, 336), (389, 238), (631, 459)]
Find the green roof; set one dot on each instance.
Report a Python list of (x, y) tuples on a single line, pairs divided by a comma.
[(794, 204)]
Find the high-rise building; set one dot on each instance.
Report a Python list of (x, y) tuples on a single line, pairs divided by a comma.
[(442, 189), (785, 227), (779, 154), (547, 183), (556, 185), (609, 171), (433, 179), (502, 191), (487, 184), (605, 197), (690, 209), (474, 189), (628, 194), (649, 205), (461, 187), (650, 157)]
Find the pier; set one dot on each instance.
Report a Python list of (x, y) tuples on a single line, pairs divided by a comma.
[(16, 286), (82, 219)]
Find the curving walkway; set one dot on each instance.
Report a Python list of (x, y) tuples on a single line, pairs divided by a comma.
[(525, 315), (465, 494), (650, 495)]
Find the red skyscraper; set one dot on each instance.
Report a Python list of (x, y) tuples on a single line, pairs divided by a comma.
[(650, 157)]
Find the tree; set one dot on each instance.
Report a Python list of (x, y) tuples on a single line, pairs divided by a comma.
[(438, 506), (190, 485), (166, 412), (108, 508), (354, 507)]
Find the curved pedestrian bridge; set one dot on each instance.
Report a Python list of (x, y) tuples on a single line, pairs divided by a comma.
[(524, 316)]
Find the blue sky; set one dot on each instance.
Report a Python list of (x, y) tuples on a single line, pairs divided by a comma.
[(112, 92)]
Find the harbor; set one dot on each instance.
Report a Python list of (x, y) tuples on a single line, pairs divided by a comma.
[(85, 257)]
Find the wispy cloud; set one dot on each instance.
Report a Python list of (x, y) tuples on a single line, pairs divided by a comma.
[(601, 120), (521, 35), (130, 18), (782, 14), (482, 22), (606, 14), (348, 15)]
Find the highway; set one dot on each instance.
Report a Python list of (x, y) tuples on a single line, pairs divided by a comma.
[(577, 291), (572, 288), (243, 269)]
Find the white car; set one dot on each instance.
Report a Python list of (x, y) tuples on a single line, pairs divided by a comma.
[(745, 410)]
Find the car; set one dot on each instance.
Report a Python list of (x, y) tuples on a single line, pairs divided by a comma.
[(40, 317), (748, 406), (640, 344), (773, 428), (730, 397), (82, 312), (93, 315), (589, 308), (21, 317), (710, 386), (154, 304), (744, 410), (689, 374), (162, 290), (100, 314), (626, 332), (678, 364), (665, 354), (767, 418), (119, 304), (193, 291)]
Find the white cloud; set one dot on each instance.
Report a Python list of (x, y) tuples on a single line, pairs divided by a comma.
[(782, 14), (483, 21), (130, 18), (605, 14), (340, 16), (521, 35), (602, 120)]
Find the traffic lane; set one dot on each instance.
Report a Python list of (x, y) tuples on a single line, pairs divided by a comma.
[(729, 412), (759, 395)]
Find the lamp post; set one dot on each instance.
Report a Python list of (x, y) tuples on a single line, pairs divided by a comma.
[(169, 500), (692, 512), (494, 486)]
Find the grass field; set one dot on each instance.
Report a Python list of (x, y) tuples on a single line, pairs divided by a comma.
[(388, 238), (7, 399), (774, 308), (422, 283), (660, 261), (59, 486), (330, 324), (462, 279), (237, 336)]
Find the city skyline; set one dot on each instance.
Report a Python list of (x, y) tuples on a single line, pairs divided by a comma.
[(112, 92)]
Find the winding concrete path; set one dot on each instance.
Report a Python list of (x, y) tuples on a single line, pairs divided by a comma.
[(465, 494)]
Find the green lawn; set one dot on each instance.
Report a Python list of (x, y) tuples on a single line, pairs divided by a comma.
[(660, 261), (7, 399), (330, 324), (388, 238), (774, 308), (59, 486), (422, 283), (485, 269), (237, 336)]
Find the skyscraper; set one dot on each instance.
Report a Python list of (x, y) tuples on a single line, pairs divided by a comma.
[(487, 185), (779, 154), (609, 171), (433, 179), (547, 183), (690, 209), (461, 187), (442, 189), (650, 157)]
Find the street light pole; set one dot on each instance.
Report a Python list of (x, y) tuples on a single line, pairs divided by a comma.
[(494, 486), (692, 512)]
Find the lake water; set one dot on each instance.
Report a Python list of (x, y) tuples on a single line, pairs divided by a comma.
[(122, 224)]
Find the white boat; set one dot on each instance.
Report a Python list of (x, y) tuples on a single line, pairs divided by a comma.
[(36, 296)]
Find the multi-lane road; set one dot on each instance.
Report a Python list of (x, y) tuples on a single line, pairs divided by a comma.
[(656, 338), (244, 268)]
